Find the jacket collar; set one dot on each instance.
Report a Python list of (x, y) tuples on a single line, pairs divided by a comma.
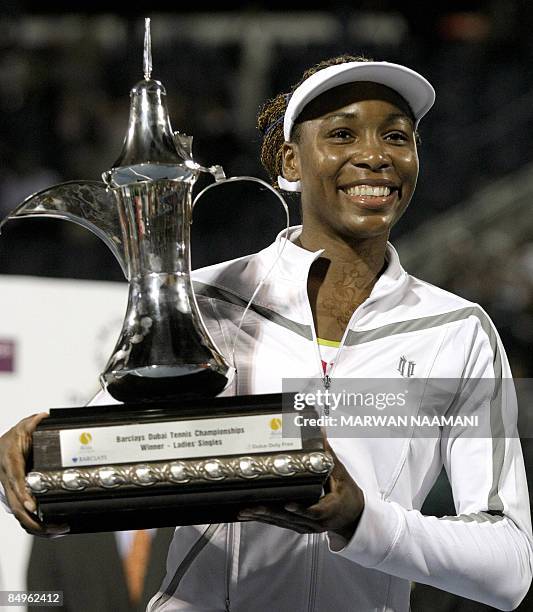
[(294, 263)]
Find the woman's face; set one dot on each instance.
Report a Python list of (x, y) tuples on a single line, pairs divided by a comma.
[(355, 155)]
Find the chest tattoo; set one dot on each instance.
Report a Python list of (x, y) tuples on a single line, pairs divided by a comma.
[(337, 302)]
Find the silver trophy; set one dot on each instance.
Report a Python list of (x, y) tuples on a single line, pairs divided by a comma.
[(143, 212), (165, 367)]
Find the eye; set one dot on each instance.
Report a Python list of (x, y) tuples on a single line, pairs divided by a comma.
[(397, 137), (341, 134)]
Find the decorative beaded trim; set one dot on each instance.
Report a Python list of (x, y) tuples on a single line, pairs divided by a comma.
[(180, 472)]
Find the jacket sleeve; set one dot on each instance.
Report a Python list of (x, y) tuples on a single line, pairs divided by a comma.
[(485, 552)]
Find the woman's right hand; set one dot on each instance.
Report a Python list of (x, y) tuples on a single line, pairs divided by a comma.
[(15, 447)]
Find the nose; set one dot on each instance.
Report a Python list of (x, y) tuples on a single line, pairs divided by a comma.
[(371, 155)]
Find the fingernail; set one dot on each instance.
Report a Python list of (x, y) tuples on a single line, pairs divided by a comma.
[(30, 506), (291, 507)]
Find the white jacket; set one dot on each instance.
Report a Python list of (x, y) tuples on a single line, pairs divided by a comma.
[(484, 553)]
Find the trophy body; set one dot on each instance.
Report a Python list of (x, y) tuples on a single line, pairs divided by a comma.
[(164, 351), (173, 453)]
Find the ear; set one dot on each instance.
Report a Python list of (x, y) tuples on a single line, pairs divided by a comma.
[(290, 161)]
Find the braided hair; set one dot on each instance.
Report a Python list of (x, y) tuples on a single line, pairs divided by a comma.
[(271, 114)]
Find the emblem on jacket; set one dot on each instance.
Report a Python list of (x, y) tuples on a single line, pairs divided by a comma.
[(405, 367)]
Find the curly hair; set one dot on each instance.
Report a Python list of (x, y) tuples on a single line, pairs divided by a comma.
[(272, 112)]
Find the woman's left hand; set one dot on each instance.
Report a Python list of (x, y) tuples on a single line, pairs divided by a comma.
[(337, 511)]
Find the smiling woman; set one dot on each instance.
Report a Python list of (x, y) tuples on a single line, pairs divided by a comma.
[(350, 146), (338, 306), (354, 152), (345, 137)]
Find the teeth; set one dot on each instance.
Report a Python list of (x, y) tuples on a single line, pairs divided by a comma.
[(368, 190)]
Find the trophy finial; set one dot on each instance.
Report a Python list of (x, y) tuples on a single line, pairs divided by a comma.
[(150, 138), (147, 58)]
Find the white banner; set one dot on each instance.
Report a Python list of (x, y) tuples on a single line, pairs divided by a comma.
[(55, 338)]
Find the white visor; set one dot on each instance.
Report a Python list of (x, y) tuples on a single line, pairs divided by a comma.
[(411, 86)]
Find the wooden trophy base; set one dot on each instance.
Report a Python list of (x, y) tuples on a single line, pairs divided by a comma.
[(110, 468)]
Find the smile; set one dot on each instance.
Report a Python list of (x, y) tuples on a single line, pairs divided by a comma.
[(372, 197), (368, 190)]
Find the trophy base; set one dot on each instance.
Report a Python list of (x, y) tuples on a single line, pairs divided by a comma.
[(170, 509), (112, 468)]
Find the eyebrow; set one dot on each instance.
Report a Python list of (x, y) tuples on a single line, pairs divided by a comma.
[(352, 115), (393, 116), (342, 116)]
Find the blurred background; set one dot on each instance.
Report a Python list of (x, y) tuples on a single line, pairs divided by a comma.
[(64, 100), (64, 104)]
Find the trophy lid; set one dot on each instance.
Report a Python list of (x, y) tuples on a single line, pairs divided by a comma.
[(150, 139)]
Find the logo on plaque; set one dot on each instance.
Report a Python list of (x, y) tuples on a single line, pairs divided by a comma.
[(86, 438), (275, 424)]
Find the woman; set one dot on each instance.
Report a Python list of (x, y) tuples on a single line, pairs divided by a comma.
[(339, 305)]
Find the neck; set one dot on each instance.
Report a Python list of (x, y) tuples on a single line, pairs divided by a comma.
[(341, 279), (364, 258)]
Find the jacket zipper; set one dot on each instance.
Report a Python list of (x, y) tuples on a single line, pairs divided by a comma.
[(314, 572), (230, 537), (326, 379)]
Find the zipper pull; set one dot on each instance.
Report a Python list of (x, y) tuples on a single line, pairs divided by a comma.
[(327, 383)]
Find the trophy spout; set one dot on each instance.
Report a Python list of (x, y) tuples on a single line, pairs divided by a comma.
[(86, 203)]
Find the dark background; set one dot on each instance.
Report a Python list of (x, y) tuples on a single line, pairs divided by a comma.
[(65, 78)]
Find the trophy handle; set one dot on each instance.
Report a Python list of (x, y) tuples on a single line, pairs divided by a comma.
[(220, 178), (86, 203)]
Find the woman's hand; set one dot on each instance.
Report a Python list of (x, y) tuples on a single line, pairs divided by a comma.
[(15, 447), (337, 511)]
